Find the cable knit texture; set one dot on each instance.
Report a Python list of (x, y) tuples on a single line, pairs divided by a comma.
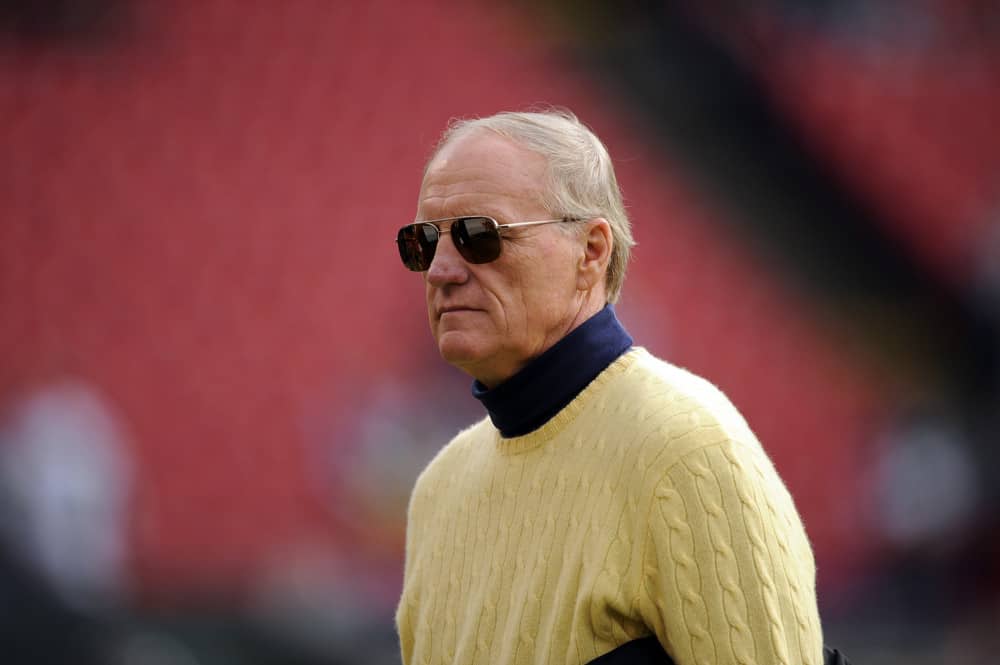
[(645, 506)]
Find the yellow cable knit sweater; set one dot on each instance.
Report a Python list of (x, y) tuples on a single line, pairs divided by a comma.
[(645, 507)]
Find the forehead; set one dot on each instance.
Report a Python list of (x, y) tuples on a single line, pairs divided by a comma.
[(482, 172)]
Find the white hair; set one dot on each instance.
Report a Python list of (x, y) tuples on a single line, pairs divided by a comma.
[(582, 182)]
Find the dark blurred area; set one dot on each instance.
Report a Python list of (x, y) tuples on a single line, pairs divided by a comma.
[(216, 383), (60, 23)]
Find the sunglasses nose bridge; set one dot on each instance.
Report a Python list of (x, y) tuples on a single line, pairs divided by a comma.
[(447, 260)]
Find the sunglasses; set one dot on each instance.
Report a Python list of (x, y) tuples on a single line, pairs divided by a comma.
[(477, 239)]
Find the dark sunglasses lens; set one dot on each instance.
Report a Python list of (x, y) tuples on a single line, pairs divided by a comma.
[(417, 243), (477, 239)]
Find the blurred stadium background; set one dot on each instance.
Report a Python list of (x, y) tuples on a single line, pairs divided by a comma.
[(216, 381)]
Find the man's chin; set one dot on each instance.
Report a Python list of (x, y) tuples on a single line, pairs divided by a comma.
[(459, 350)]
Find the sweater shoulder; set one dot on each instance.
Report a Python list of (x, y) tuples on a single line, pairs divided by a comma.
[(453, 456), (676, 411)]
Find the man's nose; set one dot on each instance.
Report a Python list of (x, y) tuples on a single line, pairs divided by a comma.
[(448, 266)]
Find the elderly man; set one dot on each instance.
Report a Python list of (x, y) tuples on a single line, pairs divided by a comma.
[(612, 508)]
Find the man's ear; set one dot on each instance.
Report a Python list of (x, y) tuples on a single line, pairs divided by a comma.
[(597, 254)]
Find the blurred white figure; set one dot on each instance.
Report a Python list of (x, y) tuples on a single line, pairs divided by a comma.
[(928, 484), (64, 469)]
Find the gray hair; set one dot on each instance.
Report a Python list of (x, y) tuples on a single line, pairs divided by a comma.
[(582, 182)]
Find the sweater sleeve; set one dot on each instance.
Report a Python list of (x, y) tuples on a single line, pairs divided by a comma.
[(728, 575)]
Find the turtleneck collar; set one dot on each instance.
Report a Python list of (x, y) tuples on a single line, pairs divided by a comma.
[(541, 389)]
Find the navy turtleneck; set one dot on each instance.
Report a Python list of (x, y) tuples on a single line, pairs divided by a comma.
[(527, 400)]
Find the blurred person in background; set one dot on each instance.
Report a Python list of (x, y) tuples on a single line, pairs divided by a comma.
[(612, 507), (65, 487)]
